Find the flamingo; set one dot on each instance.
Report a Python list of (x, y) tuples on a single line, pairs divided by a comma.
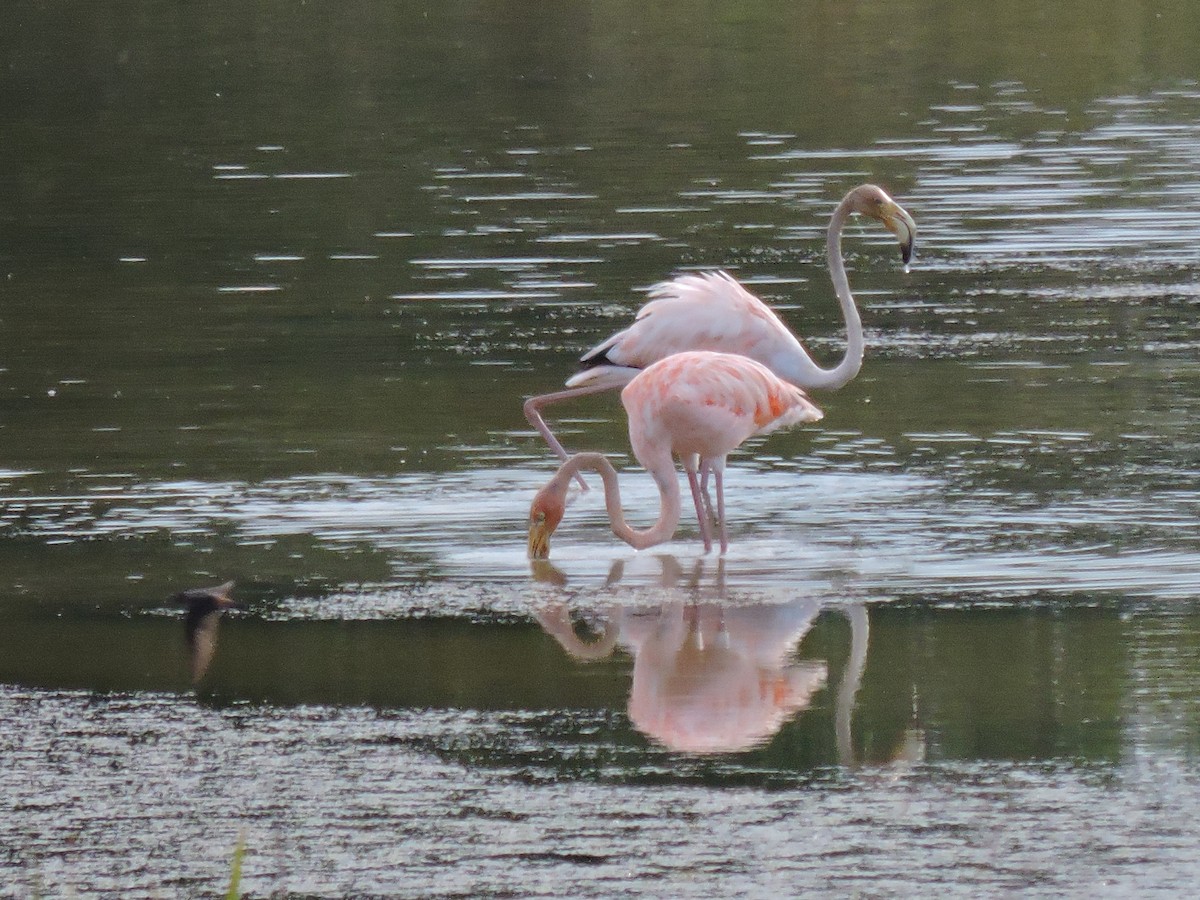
[(699, 405), (712, 311)]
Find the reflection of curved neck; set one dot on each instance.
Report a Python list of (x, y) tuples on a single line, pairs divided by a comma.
[(557, 623), (851, 362), (663, 472), (851, 679)]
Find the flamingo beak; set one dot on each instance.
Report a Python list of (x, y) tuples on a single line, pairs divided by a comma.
[(539, 538), (897, 220)]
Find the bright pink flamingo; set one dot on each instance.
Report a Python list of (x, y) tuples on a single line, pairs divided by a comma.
[(697, 405), (712, 311)]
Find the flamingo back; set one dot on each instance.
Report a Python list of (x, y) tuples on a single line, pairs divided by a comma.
[(708, 403), (706, 311)]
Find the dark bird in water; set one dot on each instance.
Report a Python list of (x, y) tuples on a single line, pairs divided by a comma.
[(204, 608)]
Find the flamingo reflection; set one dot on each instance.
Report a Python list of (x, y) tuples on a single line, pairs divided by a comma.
[(711, 676)]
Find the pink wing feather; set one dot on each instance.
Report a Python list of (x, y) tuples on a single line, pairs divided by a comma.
[(707, 311)]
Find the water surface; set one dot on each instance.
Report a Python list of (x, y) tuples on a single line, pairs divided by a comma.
[(273, 285)]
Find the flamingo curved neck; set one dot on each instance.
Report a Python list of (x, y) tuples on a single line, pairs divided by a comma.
[(668, 494), (814, 375)]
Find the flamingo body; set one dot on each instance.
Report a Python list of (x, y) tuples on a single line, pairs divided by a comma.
[(706, 311), (698, 405), (708, 404)]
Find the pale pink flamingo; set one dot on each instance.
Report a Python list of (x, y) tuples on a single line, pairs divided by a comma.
[(697, 405), (712, 311)]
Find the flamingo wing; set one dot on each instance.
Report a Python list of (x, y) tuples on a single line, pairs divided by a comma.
[(706, 311)]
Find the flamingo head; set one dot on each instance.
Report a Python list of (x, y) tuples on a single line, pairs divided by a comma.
[(545, 513), (873, 201)]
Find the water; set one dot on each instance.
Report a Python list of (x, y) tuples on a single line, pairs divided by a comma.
[(272, 288)]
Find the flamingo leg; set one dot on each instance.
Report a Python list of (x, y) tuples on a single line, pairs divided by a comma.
[(704, 472), (533, 414), (719, 479), (689, 466)]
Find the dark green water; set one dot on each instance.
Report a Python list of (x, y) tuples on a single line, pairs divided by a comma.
[(274, 282)]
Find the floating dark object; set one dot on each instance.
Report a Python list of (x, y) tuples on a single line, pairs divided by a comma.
[(204, 608)]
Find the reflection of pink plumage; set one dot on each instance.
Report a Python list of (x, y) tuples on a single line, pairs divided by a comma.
[(712, 311), (699, 406), (708, 678)]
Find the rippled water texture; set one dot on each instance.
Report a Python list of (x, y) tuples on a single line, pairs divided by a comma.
[(273, 286)]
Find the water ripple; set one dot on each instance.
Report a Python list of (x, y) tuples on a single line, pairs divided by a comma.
[(882, 531)]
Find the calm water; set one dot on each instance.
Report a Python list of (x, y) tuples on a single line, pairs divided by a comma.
[(273, 284)]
